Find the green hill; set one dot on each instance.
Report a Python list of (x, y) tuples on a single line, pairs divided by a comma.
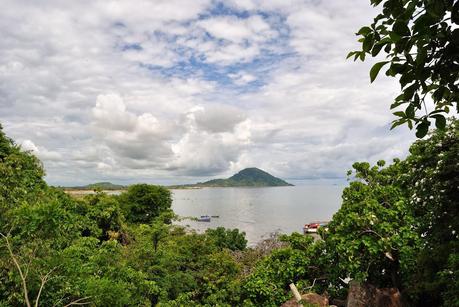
[(249, 177)]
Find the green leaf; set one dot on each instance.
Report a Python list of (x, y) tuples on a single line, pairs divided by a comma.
[(455, 13), (350, 54), (388, 48), (422, 129), (423, 23), (396, 104), (440, 121), (400, 97), (410, 111), (409, 91), (376, 49), (410, 124), (401, 29), (364, 31), (394, 37), (368, 43), (398, 122), (399, 113), (397, 68), (357, 55), (375, 70)]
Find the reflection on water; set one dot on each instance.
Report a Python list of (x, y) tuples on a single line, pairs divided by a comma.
[(258, 211)]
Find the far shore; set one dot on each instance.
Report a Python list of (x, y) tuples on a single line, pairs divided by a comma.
[(81, 192)]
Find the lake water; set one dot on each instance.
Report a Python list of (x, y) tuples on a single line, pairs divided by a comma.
[(258, 211)]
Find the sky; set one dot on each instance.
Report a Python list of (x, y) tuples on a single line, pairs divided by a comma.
[(181, 91)]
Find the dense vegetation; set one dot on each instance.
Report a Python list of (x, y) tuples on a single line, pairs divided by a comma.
[(397, 227)]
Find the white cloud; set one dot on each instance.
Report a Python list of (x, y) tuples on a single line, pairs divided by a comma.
[(41, 151), (242, 78), (215, 118), (237, 29), (237, 39), (204, 153), (168, 90), (242, 4), (134, 140)]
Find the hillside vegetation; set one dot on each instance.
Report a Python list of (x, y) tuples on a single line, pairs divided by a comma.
[(104, 186), (397, 227), (248, 177)]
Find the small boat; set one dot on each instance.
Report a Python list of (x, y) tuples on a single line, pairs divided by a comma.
[(204, 218), (314, 226)]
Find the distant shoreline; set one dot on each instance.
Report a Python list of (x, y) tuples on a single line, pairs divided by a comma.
[(77, 192)]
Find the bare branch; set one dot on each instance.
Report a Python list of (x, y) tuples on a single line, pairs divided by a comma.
[(369, 231), (79, 301), (44, 280), (30, 262)]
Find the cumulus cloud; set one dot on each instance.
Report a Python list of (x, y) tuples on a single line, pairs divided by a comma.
[(215, 118), (174, 91), (235, 39), (135, 140), (212, 150), (41, 151)]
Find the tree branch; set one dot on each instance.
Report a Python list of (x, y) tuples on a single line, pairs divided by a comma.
[(369, 231), (18, 266), (44, 280), (30, 262), (79, 302)]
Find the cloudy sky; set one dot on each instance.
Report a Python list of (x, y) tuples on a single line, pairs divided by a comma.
[(179, 91)]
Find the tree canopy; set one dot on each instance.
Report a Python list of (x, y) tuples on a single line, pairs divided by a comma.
[(143, 202), (397, 227)]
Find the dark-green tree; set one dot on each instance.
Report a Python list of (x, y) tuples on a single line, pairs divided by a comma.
[(371, 238), (431, 178), (228, 238), (143, 202)]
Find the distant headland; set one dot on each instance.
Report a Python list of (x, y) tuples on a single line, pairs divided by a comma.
[(105, 186), (248, 177)]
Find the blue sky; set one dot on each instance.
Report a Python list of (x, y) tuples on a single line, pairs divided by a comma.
[(181, 91)]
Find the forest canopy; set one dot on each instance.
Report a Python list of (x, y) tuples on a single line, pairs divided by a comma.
[(397, 227)]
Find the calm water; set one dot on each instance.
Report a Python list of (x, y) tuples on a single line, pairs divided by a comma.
[(258, 211)]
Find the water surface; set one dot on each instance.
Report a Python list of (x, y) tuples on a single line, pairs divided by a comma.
[(258, 211)]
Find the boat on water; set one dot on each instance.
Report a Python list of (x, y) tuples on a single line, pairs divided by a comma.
[(313, 227), (204, 218)]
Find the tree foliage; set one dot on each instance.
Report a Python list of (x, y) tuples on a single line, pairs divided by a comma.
[(421, 41), (298, 262), (371, 237), (431, 178), (397, 227), (143, 202), (228, 238), (21, 176)]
